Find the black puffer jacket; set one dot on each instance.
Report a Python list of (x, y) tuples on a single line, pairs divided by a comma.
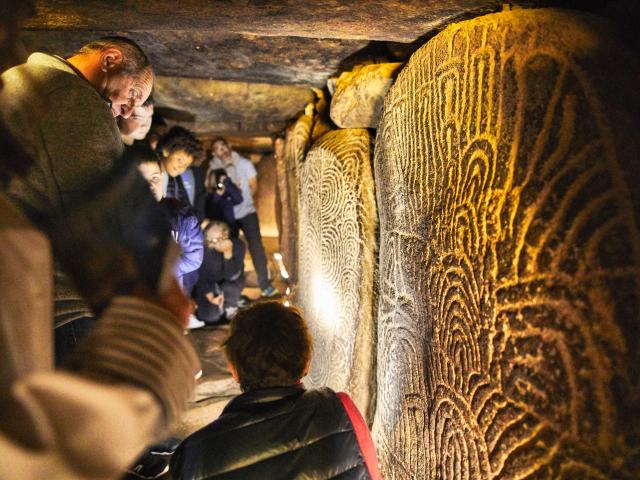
[(274, 433)]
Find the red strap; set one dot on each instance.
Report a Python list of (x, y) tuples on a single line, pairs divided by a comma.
[(362, 434)]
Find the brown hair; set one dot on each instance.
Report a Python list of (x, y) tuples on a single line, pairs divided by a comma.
[(269, 345)]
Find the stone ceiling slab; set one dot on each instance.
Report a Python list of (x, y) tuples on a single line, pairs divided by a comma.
[(246, 108), (207, 54), (393, 20)]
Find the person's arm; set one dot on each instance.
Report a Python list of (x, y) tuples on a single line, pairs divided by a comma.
[(253, 184), (126, 382), (234, 192), (233, 267), (200, 193), (192, 245), (363, 436)]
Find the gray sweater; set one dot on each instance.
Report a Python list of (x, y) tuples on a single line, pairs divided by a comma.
[(68, 129), (64, 124)]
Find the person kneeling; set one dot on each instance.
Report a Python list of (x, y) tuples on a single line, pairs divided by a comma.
[(277, 429), (221, 276)]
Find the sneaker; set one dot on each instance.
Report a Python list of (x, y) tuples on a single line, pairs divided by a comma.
[(270, 291), (194, 322), (244, 301)]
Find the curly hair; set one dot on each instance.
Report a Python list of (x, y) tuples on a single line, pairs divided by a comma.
[(269, 345), (179, 138)]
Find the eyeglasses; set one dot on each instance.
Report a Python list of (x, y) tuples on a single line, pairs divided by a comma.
[(215, 239)]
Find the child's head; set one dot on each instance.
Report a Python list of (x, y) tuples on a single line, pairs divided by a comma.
[(269, 345), (178, 147), (148, 165)]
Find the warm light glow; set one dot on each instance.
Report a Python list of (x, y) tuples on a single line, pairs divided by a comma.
[(288, 291), (277, 257), (286, 303), (325, 302)]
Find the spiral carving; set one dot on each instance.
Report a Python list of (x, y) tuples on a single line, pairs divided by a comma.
[(509, 254), (337, 245)]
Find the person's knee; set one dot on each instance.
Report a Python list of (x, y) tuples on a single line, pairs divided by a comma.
[(208, 313)]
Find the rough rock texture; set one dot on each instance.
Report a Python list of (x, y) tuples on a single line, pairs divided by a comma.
[(297, 141), (217, 55), (359, 95), (337, 248), (396, 20), (241, 108), (506, 176), (265, 197)]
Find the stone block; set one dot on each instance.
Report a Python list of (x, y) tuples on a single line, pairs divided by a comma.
[(358, 95), (337, 248), (506, 176)]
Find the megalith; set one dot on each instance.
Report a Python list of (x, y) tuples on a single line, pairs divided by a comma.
[(508, 314), (337, 262)]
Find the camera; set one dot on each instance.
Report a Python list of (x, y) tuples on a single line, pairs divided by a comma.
[(219, 175)]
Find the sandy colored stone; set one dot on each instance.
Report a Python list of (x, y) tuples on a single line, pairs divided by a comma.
[(336, 263), (359, 95), (510, 254), (257, 108)]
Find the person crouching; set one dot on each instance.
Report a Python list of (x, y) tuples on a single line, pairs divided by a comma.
[(221, 276)]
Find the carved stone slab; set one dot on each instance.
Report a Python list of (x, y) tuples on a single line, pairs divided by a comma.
[(297, 141), (508, 321), (337, 245), (359, 95)]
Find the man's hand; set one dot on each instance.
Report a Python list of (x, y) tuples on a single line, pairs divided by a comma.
[(225, 247), (173, 299), (215, 300)]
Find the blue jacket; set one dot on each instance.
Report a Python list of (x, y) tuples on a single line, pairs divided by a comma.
[(187, 233)]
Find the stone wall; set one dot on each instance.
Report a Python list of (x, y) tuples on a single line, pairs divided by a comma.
[(297, 141), (509, 254), (337, 255)]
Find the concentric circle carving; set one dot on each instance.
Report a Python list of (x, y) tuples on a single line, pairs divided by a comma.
[(337, 245)]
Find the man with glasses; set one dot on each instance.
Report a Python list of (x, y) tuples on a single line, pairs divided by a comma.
[(220, 278)]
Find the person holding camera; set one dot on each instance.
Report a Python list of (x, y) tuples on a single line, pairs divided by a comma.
[(222, 196)]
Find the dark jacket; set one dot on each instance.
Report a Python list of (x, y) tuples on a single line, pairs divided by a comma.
[(220, 207), (196, 195), (274, 433), (216, 269)]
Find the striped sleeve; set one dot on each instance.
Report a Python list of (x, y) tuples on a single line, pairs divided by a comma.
[(139, 343)]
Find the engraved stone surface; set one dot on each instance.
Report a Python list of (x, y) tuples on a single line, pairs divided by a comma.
[(297, 141), (506, 177), (337, 248), (359, 95)]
